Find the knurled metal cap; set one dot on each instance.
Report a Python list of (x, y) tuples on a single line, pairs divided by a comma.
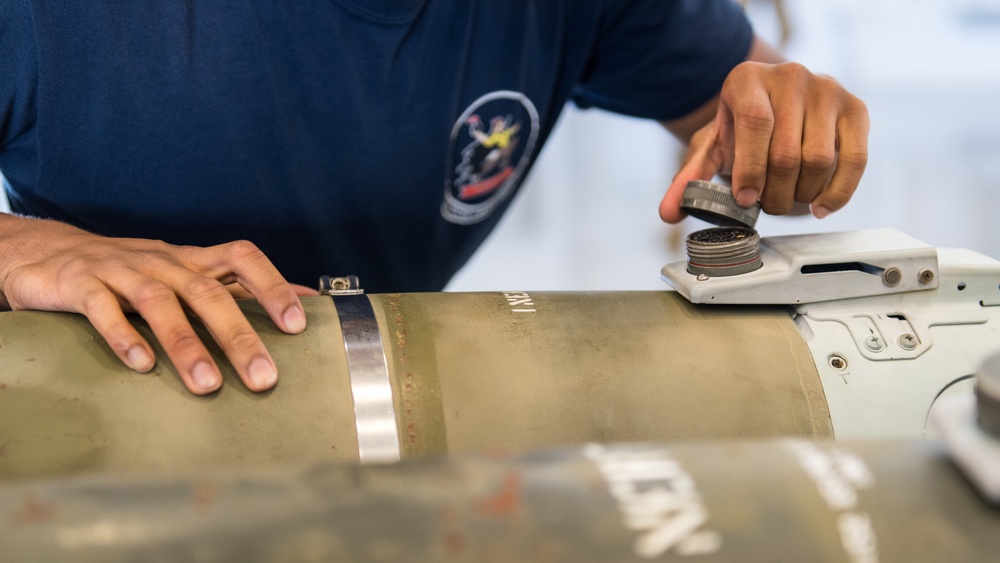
[(988, 395), (715, 204)]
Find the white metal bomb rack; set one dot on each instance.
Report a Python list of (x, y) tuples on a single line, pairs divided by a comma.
[(884, 315), (820, 267)]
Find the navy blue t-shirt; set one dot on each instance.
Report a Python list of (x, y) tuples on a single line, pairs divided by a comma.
[(382, 138)]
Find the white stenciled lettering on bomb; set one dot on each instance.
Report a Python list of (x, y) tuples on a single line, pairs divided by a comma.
[(519, 301), (858, 537), (658, 498), (839, 474)]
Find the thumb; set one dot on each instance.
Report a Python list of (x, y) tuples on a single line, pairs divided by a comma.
[(702, 162)]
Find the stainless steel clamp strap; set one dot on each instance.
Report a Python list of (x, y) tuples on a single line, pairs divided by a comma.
[(374, 415)]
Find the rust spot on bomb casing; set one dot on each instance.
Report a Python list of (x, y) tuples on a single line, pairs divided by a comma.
[(33, 511), (506, 501)]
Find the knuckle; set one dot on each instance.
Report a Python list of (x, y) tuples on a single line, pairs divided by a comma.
[(75, 266), (740, 73), (183, 340), (94, 301), (828, 83), (775, 206), (151, 294), (817, 159), (200, 288), (243, 339), (855, 111), (151, 245), (785, 160), (184, 255), (753, 175), (750, 69), (854, 159), (756, 116), (793, 72), (243, 250), (120, 337), (857, 107)]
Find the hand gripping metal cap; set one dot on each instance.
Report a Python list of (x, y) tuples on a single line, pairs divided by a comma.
[(715, 204)]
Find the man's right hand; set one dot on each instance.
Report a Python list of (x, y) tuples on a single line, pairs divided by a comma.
[(47, 265)]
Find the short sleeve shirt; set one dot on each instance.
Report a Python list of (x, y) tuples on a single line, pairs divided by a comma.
[(382, 138)]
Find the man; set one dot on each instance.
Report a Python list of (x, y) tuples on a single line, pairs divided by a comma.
[(378, 137)]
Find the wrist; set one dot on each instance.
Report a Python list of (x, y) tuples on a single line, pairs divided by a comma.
[(14, 236), (7, 228)]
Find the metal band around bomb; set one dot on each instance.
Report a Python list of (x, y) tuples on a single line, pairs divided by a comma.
[(374, 415)]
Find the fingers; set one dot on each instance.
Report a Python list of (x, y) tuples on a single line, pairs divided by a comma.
[(819, 147), (784, 159), (158, 304), (791, 138), (753, 123), (104, 311), (67, 269), (243, 263), (213, 304), (851, 160), (702, 161), (200, 282), (247, 272), (240, 292)]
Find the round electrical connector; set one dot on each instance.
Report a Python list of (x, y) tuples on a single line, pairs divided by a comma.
[(988, 395), (723, 251), (715, 204)]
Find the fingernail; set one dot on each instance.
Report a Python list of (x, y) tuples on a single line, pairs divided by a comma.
[(139, 359), (295, 319), (746, 198), (204, 376), (262, 373), (819, 211)]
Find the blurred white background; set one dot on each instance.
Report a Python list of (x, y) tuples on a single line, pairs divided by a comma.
[(929, 71)]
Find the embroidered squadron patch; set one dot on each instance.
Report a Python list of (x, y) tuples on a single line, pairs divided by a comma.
[(491, 146)]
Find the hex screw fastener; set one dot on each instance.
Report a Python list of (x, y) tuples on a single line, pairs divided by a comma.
[(837, 362)]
